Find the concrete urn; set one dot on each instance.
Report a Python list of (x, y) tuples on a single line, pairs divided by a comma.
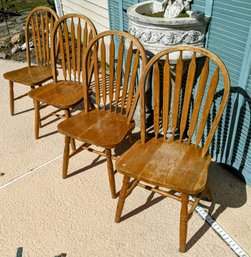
[(157, 34)]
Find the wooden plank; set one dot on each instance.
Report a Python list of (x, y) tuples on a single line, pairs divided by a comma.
[(37, 29), (96, 75), (43, 38), (119, 72), (166, 96), (47, 36), (111, 71), (103, 72), (79, 44), (126, 76), (208, 103), (85, 35), (73, 49), (177, 88), (156, 98), (132, 81), (198, 99), (67, 49), (34, 38), (52, 22), (188, 93), (61, 42)]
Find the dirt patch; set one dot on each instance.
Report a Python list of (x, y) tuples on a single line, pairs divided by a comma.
[(18, 56), (12, 27)]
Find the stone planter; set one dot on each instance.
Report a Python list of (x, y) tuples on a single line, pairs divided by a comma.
[(157, 34)]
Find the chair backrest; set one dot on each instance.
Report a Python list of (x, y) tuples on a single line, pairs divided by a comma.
[(117, 59), (38, 30), (189, 95), (71, 35)]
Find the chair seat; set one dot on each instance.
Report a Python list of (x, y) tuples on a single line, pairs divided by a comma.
[(98, 127), (29, 76), (62, 94), (177, 166)]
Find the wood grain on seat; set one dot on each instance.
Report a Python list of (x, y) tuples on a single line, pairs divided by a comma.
[(97, 127), (166, 164), (62, 94), (30, 76)]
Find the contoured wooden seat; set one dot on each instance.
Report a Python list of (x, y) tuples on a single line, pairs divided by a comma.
[(174, 160), (113, 93), (38, 30), (69, 40)]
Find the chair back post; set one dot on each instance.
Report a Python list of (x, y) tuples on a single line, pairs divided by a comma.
[(185, 105), (71, 35), (116, 57), (40, 22)]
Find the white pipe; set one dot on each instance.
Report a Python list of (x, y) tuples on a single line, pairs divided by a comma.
[(59, 8)]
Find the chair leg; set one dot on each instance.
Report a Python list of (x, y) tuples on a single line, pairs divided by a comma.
[(110, 172), (11, 84), (183, 222), (66, 157), (68, 115), (37, 118), (122, 197)]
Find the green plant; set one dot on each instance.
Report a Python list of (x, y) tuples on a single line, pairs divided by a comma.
[(183, 14)]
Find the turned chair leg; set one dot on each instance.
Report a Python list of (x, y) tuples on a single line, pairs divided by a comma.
[(183, 222), (11, 84), (37, 118), (68, 115), (66, 157), (110, 172), (122, 197)]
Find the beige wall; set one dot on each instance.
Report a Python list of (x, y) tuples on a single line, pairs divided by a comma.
[(97, 11)]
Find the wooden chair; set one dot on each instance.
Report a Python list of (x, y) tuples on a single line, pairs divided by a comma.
[(174, 161), (69, 40), (38, 29), (113, 93)]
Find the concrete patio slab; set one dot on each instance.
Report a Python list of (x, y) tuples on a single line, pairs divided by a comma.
[(20, 152), (43, 215), (47, 215)]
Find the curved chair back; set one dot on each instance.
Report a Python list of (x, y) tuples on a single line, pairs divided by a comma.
[(71, 35), (38, 30), (118, 59), (189, 95)]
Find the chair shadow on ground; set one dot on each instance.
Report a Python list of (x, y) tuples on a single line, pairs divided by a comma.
[(47, 124), (19, 253), (24, 111), (231, 143), (227, 190), (150, 201), (93, 164)]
